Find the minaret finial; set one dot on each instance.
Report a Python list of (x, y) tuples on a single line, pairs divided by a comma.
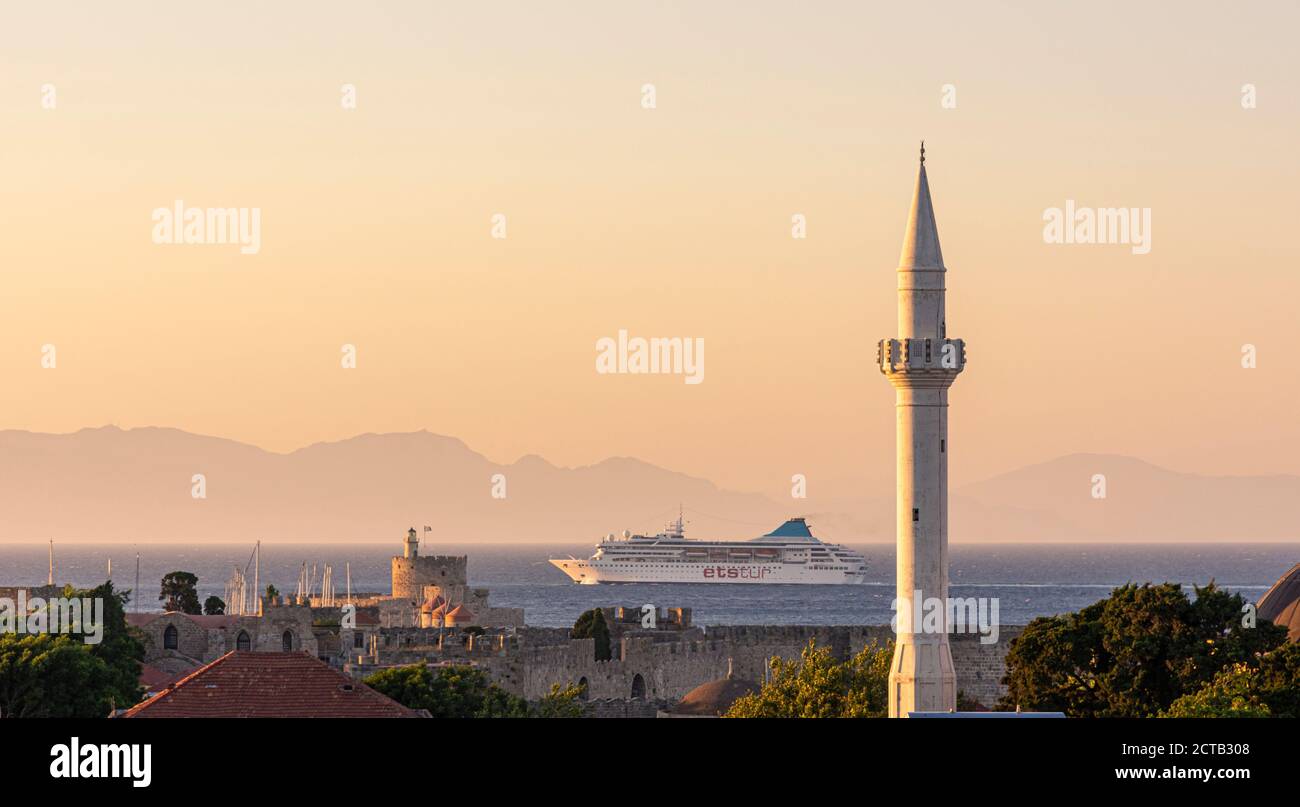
[(922, 151)]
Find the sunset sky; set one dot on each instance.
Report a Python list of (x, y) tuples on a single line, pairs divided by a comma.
[(672, 221)]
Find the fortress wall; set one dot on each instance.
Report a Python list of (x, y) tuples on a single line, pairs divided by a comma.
[(980, 667), (530, 660), (672, 669), (610, 708)]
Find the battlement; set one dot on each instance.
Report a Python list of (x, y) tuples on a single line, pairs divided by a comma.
[(662, 667), (411, 575)]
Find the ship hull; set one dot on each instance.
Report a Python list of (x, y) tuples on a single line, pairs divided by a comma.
[(590, 573)]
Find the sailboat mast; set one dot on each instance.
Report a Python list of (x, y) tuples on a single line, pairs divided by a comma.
[(257, 567)]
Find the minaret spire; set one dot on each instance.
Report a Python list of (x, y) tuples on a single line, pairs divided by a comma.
[(921, 238), (921, 362)]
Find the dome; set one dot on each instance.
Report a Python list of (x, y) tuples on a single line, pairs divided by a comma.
[(1281, 603), (714, 698), (460, 614)]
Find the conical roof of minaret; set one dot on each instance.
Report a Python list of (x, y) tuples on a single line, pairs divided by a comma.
[(921, 239)]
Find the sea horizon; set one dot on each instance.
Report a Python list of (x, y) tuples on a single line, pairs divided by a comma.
[(1029, 580)]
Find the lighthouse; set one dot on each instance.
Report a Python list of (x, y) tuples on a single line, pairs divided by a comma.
[(921, 362)]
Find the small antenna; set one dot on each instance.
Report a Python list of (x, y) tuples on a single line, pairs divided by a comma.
[(922, 152)]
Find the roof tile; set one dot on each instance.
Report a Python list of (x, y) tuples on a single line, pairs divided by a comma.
[(243, 683)]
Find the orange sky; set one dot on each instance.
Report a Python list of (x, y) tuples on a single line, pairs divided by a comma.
[(673, 221)]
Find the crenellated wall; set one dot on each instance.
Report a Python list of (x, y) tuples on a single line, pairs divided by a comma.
[(670, 669), (448, 572)]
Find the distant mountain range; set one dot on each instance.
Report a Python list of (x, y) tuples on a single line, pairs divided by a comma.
[(110, 484)]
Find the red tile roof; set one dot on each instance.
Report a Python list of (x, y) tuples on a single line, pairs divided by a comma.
[(140, 620), (154, 679), (250, 684)]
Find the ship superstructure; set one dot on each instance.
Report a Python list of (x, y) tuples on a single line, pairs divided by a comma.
[(788, 554)]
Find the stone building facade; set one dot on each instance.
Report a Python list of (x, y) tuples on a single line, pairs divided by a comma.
[(176, 643)]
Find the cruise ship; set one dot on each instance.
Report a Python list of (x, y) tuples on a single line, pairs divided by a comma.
[(787, 554)]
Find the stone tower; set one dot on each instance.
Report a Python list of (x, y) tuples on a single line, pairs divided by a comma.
[(412, 573), (922, 362)]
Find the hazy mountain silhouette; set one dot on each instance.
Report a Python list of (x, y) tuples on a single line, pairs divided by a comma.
[(1054, 501), (135, 485)]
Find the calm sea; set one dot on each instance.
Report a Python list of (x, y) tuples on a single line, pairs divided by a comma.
[(1029, 580)]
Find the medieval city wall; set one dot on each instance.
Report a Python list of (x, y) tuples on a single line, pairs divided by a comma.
[(669, 670)]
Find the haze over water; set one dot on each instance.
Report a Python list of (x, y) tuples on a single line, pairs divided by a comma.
[(1028, 580)]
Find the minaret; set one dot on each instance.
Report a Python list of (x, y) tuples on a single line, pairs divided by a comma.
[(921, 363)]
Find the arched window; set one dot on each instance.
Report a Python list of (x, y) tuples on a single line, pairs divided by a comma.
[(286, 641), (242, 642), (171, 638), (582, 684), (638, 687)]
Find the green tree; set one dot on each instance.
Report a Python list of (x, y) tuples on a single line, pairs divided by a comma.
[(1132, 654), (214, 606), (462, 691), (271, 591), (817, 685), (592, 625), (561, 702), (1230, 694), (179, 592), (119, 648), (43, 675), (457, 691), (1271, 689), (582, 628), (1278, 682)]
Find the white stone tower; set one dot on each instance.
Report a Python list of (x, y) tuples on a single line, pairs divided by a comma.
[(921, 363)]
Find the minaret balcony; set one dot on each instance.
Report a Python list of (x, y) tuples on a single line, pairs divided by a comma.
[(922, 358)]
